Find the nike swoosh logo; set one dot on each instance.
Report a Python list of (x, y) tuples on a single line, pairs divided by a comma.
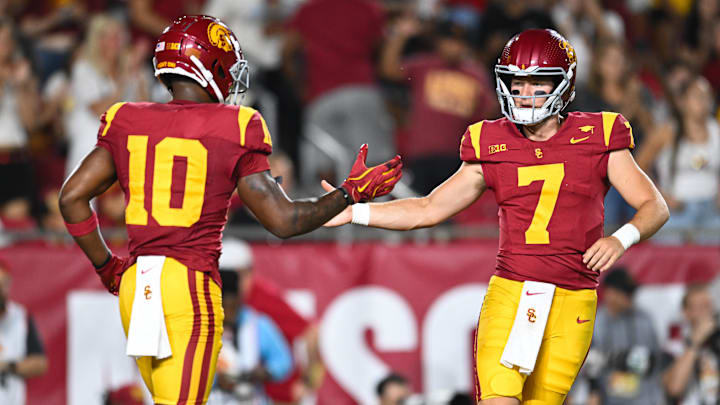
[(573, 141), (361, 189), (582, 320), (535, 293), (144, 271)]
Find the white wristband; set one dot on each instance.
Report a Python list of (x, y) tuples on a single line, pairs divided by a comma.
[(361, 214), (628, 235)]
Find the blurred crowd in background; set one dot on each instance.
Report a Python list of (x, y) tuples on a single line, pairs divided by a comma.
[(405, 76)]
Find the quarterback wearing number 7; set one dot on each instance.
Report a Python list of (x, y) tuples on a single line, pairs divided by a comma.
[(178, 164), (549, 171)]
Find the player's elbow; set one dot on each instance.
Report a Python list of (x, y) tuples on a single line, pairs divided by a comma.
[(282, 233), (663, 211), (428, 217), (68, 198), (281, 229)]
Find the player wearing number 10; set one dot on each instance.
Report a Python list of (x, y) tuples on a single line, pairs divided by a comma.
[(178, 164), (549, 172)]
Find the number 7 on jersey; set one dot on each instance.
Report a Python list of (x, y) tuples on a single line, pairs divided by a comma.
[(552, 176)]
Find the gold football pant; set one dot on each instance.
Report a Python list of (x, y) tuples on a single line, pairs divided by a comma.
[(565, 344), (194, 318)]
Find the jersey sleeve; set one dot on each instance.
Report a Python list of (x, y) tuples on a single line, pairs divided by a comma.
[(617, 131), (255, 139), (104, 137), (470, 150)]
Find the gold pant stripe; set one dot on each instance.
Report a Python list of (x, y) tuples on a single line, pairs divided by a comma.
[(194, 317)]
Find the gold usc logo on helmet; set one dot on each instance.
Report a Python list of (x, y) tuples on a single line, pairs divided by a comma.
[(218, 36), (569, 50)]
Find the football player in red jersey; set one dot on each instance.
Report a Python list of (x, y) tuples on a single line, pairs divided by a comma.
[(178, 164), (550, 172)]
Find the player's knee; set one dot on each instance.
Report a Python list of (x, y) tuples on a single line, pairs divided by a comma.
[(506, 385)]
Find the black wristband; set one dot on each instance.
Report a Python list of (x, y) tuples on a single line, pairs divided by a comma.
[(346, 195), (103, 263), (12, 367)]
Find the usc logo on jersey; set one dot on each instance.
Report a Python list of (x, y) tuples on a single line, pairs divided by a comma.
[(218, 36), (531, 315), (148, 292), (538, 153)]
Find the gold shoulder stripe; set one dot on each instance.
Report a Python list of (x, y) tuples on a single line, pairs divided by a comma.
[(475, 130), (608, 120), (267, 139), (110, 116), (244, 116), (632, 138)]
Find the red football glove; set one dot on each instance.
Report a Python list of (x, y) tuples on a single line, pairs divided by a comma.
[(111, 272), (363, 184)]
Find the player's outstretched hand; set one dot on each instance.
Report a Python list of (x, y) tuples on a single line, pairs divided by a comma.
[(363, 183), (111, 273), (603, 253), (343, 217)]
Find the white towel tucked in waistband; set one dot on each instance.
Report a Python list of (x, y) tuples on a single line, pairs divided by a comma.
[(147, 334), (527, 332)]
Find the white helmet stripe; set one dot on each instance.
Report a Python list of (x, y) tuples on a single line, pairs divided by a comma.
[(209, 77)]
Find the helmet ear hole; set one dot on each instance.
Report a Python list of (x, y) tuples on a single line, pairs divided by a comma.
[(217, 67)]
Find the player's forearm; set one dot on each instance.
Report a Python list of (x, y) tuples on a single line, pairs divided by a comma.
[(650, 217), (32, 366), (76, 209), (677, 376), (309, 214), (403, 215), (390, 63), (142, 15)]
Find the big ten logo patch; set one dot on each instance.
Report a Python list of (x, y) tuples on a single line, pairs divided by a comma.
[(219, 36), (148, 292), (531, 315), (538, 153), (497, 148)]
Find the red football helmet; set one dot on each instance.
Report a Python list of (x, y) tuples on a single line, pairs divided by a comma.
[(536, 52), (204, 49)]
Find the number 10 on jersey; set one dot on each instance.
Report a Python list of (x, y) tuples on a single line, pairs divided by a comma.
[(165, 153)]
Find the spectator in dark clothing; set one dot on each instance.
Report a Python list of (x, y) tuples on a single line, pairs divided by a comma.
[(393, 390), (502, 20), (448, 92), (344, 106), (623, 358), (694, 375)]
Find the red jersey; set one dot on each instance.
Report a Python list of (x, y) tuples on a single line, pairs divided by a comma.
[(178, 164), (339, 38), (550, 194), (445, 99)]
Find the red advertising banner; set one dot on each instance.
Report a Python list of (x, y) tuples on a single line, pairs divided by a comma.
[(407, 307)]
